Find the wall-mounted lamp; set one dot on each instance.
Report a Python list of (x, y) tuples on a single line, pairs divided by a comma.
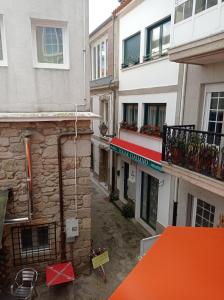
[(103, 130)]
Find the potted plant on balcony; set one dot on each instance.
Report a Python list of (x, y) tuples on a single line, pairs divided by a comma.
[(151, 130), (127, 126)]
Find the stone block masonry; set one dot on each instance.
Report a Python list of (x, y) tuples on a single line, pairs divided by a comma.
[(45, 192)]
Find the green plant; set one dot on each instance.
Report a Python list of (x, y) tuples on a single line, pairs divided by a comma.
[(128, 211), (114, 196)]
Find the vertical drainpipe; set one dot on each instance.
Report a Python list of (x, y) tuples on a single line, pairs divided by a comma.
[(114, 110), (181, 118), (29, 173)]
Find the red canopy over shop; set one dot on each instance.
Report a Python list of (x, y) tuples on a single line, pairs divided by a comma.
[(184, 264)]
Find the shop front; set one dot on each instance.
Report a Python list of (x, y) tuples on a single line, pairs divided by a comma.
[(141, 180)]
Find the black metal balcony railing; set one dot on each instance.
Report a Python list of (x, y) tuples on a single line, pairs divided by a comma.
[(198, 151)]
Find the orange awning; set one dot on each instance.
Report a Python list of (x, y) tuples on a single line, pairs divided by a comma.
[(184, 264)]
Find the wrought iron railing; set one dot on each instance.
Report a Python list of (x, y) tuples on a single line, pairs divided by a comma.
[(198, 151)]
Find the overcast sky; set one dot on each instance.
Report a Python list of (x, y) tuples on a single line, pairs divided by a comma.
[(100, 10)]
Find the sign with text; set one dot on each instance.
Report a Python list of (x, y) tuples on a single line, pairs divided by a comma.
[(139, 159), (100, 260)]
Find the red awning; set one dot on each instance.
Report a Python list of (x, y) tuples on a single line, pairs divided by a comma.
[(138, 150), (186, 263)]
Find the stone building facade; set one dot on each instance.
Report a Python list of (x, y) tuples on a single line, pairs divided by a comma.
[(45, 193), (44, 71)]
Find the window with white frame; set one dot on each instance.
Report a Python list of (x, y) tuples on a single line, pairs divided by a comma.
[(3, 58), (204, 4), (183, 11), (100, 59), (205, 214), (104, 110), (50, 42)]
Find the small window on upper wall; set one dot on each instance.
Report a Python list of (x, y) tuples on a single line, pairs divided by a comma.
[(183, 11), (3, 58), (158, 40), (131, 51), (204, 4), (50, 44), (100, 59)]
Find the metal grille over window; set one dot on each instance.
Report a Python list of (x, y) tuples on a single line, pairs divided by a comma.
[(34, 244), (49, 45), (205, 214)]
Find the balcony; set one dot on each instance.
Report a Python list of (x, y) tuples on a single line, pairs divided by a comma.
[(195, 156)]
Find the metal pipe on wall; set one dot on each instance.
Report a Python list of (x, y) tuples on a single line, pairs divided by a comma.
[(27, 136), (61, 198)]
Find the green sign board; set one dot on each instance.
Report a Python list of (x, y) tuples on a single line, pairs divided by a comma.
[(3, 203), (139, 159)]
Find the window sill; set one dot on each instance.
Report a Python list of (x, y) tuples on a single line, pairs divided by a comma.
[(52, 67), (35, 252), (3, 64), (145, 63)]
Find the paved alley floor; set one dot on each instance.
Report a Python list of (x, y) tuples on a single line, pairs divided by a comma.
[(121, 237)]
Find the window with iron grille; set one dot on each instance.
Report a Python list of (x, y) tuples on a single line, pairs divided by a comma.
[(34, 244)]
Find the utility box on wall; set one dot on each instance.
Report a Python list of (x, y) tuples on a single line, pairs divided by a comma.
[(72, 229)]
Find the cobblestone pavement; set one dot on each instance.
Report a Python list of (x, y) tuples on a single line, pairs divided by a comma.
[(121, 237)]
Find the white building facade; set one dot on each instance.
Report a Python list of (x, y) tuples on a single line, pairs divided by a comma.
[(194, 153), (147, 99)]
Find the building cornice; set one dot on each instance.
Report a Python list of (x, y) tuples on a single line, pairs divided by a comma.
[(46, 116)]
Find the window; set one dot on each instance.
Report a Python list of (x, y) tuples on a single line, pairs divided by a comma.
[(34, 243), (216, 117), (131, 50), (183, 11), (154, 119), (130, 114), (34, 238), (205, 214), (158, 40), (104, 110), (3, 57), (100, 59), (50, 43), (204, 4)]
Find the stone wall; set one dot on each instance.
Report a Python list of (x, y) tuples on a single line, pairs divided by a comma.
[(46, 205)]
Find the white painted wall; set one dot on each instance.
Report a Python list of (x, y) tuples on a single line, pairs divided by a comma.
[(141, 139), (201, 25), (28, 89), (184, 189), (157, 73)]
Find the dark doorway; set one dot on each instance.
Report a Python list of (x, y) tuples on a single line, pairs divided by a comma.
[(149, 199), (126, 176)]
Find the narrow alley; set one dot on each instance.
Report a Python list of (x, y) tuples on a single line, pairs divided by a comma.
[(121, 237)]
